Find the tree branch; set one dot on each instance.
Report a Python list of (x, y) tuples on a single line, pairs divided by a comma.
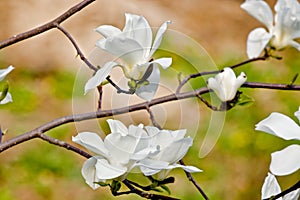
[(50, 25), (141, 106), (190, 177), (294, 187), (191, 76)]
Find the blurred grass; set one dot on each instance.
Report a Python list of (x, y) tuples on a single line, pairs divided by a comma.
[(235, 169)]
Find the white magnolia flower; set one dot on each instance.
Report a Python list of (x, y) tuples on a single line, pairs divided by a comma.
[(3, 73), (286, 161), (172, 146), (116, 155), (226, 84), (134, 46), (281, 32), (271, 188)]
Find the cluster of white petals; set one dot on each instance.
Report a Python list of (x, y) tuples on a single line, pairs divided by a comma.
[(271, 188), (3, 74), (280, 33), (149, 149), (286, 161), (134, 46), (226, 84)]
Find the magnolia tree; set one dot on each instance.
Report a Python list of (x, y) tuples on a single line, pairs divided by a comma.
[(151, 150)]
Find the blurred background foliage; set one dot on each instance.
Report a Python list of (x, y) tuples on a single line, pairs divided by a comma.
[(43, 89)]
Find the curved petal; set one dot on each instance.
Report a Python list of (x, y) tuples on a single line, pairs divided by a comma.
[(214, 85), (186, 168), (294, 195), (92, 142), (129, 50), (7, 98), (241, 79), (297, 114), (108, 30), (148, 91), (99, 77), (270, 187), (88, 172), (104, 170), (117, 127), (286, 161), (260, 10), (158, 38), (4, 72), (176, 150), (163, 62), (295, 44), (138, 28), (257, 41), (228, 81), (279, 125)]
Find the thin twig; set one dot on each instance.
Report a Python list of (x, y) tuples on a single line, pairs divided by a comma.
[(191, 76), (152, 118), (208, 104), (79, 52), (127, 109), (145, 194), (119, 90), (190, 177), (43, 28), (100, 91)]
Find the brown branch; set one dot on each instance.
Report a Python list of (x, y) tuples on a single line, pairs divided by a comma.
[(190, 177), (79, 52), (141, 106), (144, 194), (152, 118), (191, 76), (43, 28)]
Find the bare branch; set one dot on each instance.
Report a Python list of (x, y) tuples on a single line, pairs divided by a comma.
[(50, 25), (190, 177), (292, 188), (191, 76), (141, 106)]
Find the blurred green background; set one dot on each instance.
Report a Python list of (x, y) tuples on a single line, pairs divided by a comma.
[(43, 82)]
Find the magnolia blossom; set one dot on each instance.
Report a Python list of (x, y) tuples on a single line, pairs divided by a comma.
[(116, 155), (3, 73), (124, 149), (172, 146), (226, 84), (134, 46), (286, 161), (281, 32)]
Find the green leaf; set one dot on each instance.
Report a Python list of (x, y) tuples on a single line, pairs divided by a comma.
[(164, 187), (245, 100), (4, 91), (102, 184)]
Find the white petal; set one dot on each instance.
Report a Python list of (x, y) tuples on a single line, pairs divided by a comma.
[(297, 114), (295, 45), (176, 150), (138, 28), (163, 62), (270, 187), (4, 72), (158, 38), (92, 142), (294, 195), (240, 80), (214, 85), (279, 125), (147, 92), (257, 41), (88, 172), (108, 30), (286, 161), (99, 77), (7, 98), (104, 170), (117, 127), (190, 169), (129, 50), (260, 10)]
